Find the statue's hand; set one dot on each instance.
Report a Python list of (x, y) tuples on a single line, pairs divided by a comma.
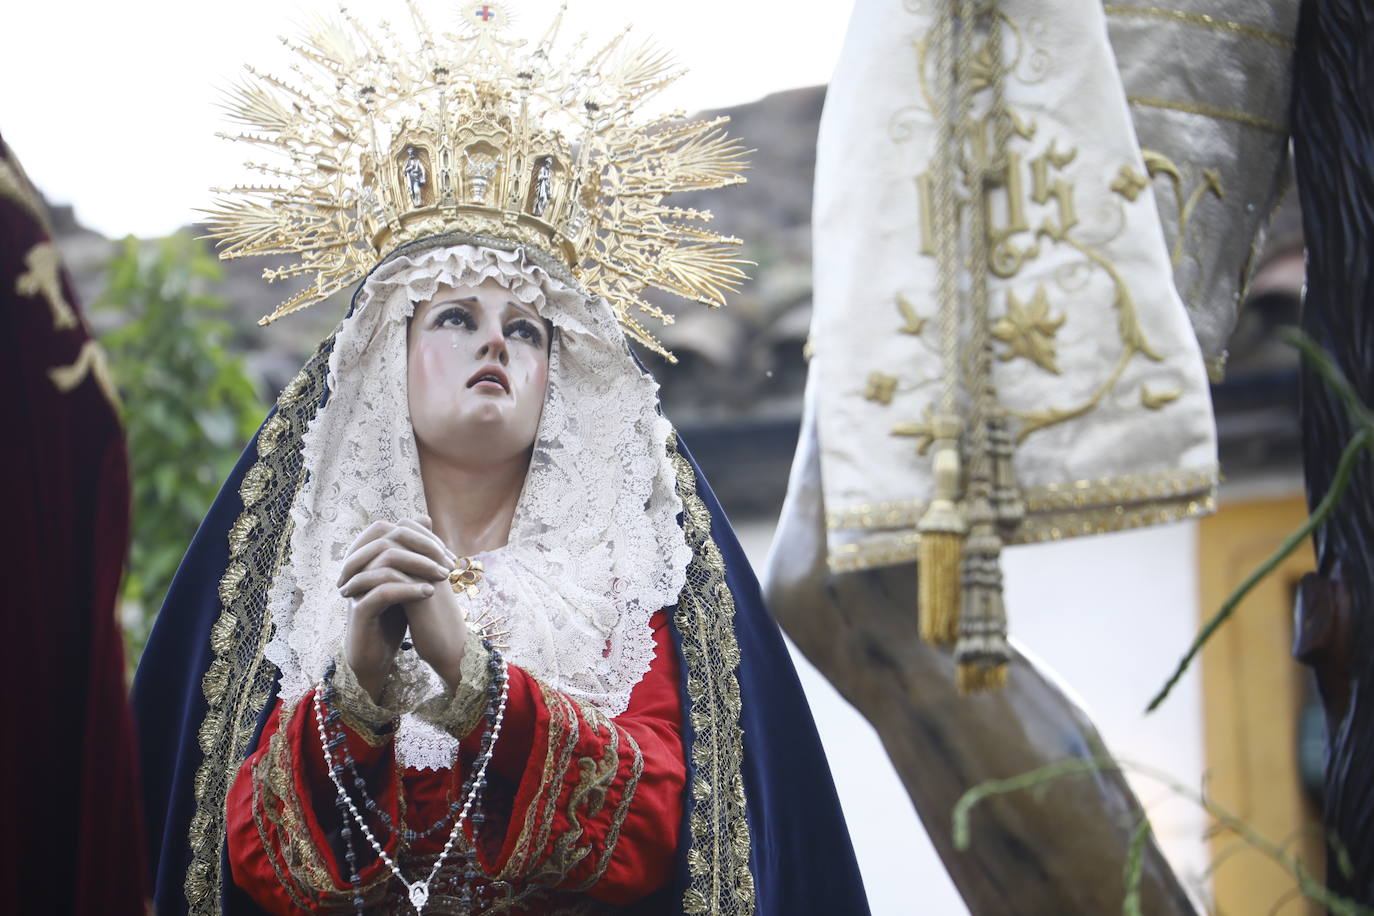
[(437, 624), (389, 568)]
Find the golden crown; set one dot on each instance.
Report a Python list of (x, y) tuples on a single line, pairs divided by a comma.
[(469, 132)]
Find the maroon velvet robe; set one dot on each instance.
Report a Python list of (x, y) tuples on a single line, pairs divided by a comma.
[(73, 837)]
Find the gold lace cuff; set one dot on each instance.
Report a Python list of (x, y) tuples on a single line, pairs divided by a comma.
[(458, 711), (375, 721)]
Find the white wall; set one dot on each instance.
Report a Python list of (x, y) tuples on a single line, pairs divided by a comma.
[(1111, 615)]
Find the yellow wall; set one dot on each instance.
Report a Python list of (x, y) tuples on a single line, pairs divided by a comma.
[(1252, 691)]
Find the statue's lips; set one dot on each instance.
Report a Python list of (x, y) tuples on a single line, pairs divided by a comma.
[(490, 377)]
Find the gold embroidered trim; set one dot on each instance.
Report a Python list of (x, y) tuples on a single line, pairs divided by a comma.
[(534, 835), (1209, 111), (1201, 21), (238, 683), (297, 861), (273, 775), (1045, 499), (902, 548), (261, 812), (596, 775), (719, 880), (618, 818)]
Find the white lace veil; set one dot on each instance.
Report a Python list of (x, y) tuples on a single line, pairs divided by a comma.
[(595, 547)]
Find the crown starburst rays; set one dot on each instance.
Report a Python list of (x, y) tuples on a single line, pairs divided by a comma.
[(382, 138)]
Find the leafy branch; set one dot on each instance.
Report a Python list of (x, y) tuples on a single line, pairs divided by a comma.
[(1361, 443)]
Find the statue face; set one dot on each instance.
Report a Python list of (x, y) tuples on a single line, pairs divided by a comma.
[(477, 371)]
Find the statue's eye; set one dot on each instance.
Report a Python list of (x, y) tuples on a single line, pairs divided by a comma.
[(455, 317), (526, 330)]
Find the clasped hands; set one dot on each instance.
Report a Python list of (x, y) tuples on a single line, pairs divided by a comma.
[(394, 575)]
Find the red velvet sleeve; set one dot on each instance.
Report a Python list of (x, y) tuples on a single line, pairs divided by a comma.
[(575, 801)]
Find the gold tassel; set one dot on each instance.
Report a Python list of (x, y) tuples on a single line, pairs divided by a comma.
[(938, 571), (982, 651), (940, 551), (977, 678)]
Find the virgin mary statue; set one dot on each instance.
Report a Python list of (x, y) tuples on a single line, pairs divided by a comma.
[(466, 630)]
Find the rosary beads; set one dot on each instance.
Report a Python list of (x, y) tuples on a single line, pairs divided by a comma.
[(418, 892)]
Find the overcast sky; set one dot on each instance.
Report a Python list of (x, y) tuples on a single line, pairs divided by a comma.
[(111, 106)]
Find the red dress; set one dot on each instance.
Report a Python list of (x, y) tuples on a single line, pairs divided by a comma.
[(581, 810)]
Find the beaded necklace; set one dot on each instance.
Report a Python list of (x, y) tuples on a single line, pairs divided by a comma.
[(417, 891)]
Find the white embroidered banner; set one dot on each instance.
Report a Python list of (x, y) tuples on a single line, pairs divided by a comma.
[(1096, 363)]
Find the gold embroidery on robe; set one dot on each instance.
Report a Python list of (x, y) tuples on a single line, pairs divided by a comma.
[(90, 361), (719, 879), (44, 278)]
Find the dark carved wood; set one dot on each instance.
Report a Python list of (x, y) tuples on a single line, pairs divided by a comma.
[(1333, 144), (1060, 852)]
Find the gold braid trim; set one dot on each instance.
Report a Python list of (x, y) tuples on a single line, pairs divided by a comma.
[(1201, 21), (596, 775), (618, 818), (562, 741), (238, 683), (266, 810), (1051, 499), (719, 879), (901, 547)]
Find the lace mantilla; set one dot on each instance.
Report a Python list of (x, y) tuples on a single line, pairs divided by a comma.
[(595, 547)]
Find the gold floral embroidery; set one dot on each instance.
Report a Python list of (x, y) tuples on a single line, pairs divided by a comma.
[(880, 387), (1158, 164), (596, 775), (1157, 400), (912, 323), (1029, 330), (1015, 240), (255, 484), (264, 813), (272, 775), (618, 818), (562, 741), (299, 864), (1129, 183), (923, 432)]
